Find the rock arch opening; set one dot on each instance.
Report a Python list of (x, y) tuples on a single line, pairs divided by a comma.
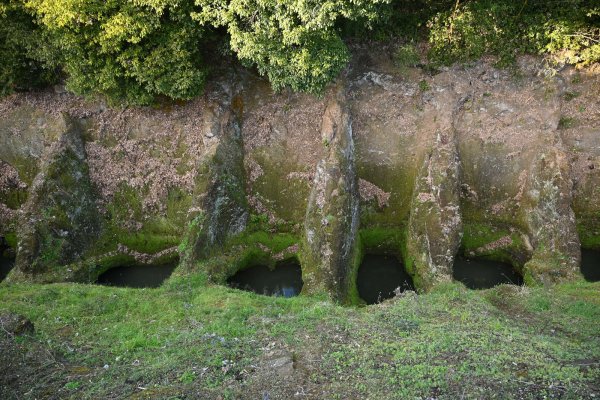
[(137, 276), (381, 277), (590, 264), (284, 280), (480, 273)]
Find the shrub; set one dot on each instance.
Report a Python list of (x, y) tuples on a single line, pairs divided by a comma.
[(567, 29), (22, 43), (130, 51), (294, 43)]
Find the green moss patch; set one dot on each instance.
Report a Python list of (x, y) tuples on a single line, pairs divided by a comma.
[(479, 240)]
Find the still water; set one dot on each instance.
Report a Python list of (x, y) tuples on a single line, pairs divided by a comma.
[(379, 276), (478, 273), (590, 265), (147, 276), (284, 280), (6, 264)]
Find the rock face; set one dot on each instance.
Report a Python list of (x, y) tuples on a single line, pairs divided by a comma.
[(550, 220), (60, 219), (332, 215), (435, 224), (219, 208), (474, 160)]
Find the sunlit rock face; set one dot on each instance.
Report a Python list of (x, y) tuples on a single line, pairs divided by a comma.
[(470, 160)]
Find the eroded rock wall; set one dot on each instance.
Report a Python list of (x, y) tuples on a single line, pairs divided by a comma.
[(487, 162)]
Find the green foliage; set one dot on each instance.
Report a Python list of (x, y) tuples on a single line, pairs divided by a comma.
[(140, 51), (569, 29), (294, 42), (72, 385), (132, 51), (406, 56), (190, 340), (21, 44), (566, 122)]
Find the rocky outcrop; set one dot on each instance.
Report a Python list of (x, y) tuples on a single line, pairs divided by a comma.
[(550, 220), (435, 224), (60, 220), (219, 209), (422, 166), (328, 251)]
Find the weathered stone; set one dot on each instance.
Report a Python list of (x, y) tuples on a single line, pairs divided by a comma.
[(15, 325), (328, 251), (435, 224), (219, 208), (546, 208), (279, 362), (477, 150), (60, 220)]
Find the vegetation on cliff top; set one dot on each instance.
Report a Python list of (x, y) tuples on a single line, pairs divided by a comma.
[(136, 52)]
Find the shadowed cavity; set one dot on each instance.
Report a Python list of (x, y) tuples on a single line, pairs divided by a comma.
[(381, 277), (138, 276), (284, 280), (477, 273), (590, 265)]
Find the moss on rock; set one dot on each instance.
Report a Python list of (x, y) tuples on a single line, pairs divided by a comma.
[(328, 245), (435, 224), (60, 219)]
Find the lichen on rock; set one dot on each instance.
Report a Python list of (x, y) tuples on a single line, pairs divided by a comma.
[(328, 249), (551, 220), (220, 208), (435, 224), (60, 220)]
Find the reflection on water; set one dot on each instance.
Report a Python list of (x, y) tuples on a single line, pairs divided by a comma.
[(147, 276), (285, 280), (478, 273), (380, 277)]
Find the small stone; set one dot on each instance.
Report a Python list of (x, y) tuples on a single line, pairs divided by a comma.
[(15, 325), (282, 363)]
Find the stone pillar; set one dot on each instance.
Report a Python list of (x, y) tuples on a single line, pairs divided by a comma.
[(220, 208), (60, 219), (547, 212), (328, 252), (435, 223)]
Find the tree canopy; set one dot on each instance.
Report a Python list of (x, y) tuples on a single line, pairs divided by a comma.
[(135, 51)]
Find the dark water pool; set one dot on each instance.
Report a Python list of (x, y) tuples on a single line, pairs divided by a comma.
[(590, 265), (478, 273), (6, 264), (146, 276), (379, 276), (285, 280)]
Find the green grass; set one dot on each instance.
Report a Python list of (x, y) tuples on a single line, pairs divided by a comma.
[(188, 338)]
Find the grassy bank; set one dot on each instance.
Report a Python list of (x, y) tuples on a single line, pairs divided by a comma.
[(189, 340)]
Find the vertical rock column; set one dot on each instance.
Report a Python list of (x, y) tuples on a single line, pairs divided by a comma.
[(220, 208), (550, 220), (60, 219), (331, 225), (435, 224)]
